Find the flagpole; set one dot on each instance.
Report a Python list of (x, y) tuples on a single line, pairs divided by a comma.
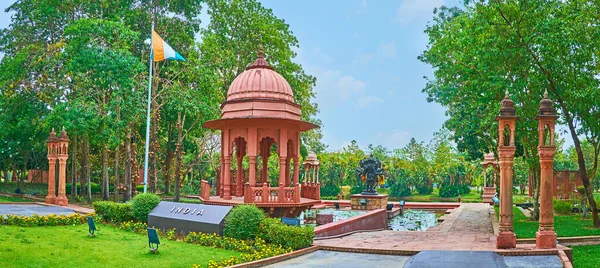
[(148, 114)]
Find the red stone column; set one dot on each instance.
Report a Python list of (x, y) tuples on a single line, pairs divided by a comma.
[(506, 150), (226, 178), (239, 182), (252, 174), (282, 171), (506, 238), (51, 197), (61, 199), (296, 171), (546, 236), (287, 171)]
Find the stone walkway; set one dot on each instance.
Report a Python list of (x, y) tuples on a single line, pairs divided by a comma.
[(468, 227)]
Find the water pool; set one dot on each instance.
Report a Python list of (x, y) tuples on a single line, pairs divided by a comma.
[(414, 220)]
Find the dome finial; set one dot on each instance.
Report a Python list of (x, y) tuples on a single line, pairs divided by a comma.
[(545, 93), (260, 51), (506, 95)]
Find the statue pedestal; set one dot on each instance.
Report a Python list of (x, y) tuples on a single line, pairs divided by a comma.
[(368, 202), (488, 193)]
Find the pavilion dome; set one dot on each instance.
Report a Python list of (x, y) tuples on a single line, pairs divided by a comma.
[(260, 81)]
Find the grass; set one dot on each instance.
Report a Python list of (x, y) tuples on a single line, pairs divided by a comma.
[(70, 246), (7, 199), (586, 256), (564, 225)]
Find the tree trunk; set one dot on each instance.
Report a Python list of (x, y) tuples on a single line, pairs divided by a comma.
[(74, 168), (180, 122), (168, 164), (87, 170), (116, 182), (127, 193), (581, 161), (105, 181)]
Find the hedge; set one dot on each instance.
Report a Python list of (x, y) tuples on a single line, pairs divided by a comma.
[(454, 190), (273, 231), (113, 212), (48, 220)]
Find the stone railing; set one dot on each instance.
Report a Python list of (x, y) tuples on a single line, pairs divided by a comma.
[(272, 195), (204, 190), (311, 190)]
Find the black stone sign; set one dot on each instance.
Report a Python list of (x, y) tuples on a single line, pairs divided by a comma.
[(185, 217)]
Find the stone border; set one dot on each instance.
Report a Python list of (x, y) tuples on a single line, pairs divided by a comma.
[(568, 240), (368, 221), (401, 252), (278, 258)]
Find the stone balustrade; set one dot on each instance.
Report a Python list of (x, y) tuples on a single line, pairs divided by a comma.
[(271, 195)]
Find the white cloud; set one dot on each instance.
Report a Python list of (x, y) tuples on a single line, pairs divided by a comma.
[(364, 58), (388, 50), (364, 101), (394, 139), (350, 86), (411, 10)]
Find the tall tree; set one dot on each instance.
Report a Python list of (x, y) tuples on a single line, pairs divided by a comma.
[(524, 47)]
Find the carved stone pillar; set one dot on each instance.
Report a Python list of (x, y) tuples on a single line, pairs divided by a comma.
[(226, 178), (506, 150), (61, 199), (252, 174), (282, 172), (506, 237), (296, 171), (51, 197), (239, 182), (546, 236)]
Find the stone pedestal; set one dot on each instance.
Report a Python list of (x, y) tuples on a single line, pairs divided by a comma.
[(368, 202), (488, 193), (506, 240), (545, 239), (324, 218)]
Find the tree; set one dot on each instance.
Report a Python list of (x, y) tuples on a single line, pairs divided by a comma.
[(524, 47)]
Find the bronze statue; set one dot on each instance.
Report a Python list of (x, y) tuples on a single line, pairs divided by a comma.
[(370, 169)]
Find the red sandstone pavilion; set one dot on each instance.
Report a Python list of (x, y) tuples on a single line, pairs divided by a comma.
[(259, 112)]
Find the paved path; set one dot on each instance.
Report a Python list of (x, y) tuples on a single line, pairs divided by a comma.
[(30, 209), (468, 227)]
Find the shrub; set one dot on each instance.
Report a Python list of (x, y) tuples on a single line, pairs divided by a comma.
[(139, 188), (329, 198), (330, 190), (113, 212), (399, 189), (427, 189), (562, 207), (356, 189), (581, 190), (243, 222), (273, 231), (454, 190), (143, 204)]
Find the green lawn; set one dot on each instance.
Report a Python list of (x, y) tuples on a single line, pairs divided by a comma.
[(586, 256), (564, 225), (6, 199), (70, 246)]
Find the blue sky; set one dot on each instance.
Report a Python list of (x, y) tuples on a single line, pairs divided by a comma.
[(364, 56)]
